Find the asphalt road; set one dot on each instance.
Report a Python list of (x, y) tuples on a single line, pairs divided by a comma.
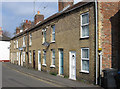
[(12, 78)]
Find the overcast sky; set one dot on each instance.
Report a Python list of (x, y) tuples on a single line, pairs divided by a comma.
[(13, 13)]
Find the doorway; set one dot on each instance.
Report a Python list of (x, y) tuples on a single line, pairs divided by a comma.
[(39, 60), (34, 59), (61, 62), (72, 65)]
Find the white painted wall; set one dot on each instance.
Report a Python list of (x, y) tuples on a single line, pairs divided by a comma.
[(4, 50)]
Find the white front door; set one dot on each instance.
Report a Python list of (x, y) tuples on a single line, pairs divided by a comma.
[(19, 58), (72, 65), (39, 60)]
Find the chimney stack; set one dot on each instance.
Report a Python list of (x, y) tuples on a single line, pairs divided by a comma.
[(64, 3), (17, 30), (1, 32), (27, 24), (38, 17)]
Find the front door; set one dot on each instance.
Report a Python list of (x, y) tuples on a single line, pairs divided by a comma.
[(72, 65), (39, 60), (34, 59), (21, 59), (60, 62)]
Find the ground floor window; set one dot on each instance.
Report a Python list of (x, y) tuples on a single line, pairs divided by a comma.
[(85, 60), (53, 57)]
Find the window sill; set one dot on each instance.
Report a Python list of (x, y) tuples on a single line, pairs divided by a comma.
[(84, 38), (52, 66), (85, 72), (44, 65), (52, 42)]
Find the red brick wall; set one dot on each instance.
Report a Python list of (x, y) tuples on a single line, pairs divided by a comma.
[(106, 11)]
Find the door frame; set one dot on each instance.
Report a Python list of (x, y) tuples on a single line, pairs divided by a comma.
[(34, 59), (60, 60), (39, 52), (70, 65), (21, 57)]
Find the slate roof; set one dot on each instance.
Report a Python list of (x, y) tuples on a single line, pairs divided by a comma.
[(69, 9)]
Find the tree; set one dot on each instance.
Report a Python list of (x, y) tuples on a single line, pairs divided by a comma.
[(7, 33)]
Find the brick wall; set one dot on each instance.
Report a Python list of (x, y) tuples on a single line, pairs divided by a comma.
[(106, 11)]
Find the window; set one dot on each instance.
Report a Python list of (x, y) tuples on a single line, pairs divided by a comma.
[(17, 55), (44, 35), (85, 25), (85, 60), (30, 43), (44, 57), (14, 44), (23, 56), (53, 33), (17, 43), (24, 41), (53, 58), (30, 57)]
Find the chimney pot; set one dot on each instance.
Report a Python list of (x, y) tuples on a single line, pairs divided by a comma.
[(26, 21), (38, 12)]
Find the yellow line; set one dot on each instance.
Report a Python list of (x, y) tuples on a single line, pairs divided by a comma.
[(34, 77)]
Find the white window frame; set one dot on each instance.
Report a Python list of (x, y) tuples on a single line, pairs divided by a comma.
[(44, 38), (87, 59), (17, 43), (14, 45), (23, 56), (23, 40), (30, 57), (53, 58), (30, 42), (53, 34), (87, 24), (44, 58)]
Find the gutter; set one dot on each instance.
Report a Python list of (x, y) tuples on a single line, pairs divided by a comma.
[(96, 28)]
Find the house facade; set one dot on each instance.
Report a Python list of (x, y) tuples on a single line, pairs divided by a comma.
[(65, 43), (4, 47)]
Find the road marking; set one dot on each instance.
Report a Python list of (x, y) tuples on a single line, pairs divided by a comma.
[(30, 75)]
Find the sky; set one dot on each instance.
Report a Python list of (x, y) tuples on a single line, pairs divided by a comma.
[(14, 12)]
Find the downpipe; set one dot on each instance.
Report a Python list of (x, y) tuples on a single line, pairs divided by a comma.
[(96, 28)]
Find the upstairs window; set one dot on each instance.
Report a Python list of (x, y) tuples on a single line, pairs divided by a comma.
[(85, 25), (23, 40), (17, 43), (30, 42), (44, 35), (14, 45), (53, 33)]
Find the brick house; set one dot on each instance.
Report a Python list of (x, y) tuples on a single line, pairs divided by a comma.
[(65, 43)]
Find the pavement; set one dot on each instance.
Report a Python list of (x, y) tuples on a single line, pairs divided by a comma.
[(56, 81)]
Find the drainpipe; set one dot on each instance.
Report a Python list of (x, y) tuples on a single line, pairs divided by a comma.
[(96, 41)]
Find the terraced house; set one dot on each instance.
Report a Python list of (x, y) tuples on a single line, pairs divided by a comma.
[(75, 42)]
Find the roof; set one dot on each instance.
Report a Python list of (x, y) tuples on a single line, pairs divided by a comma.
[(71, 8), (4, 38)]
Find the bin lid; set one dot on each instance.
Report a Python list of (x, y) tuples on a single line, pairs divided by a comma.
[(118, 72), (109, 70)]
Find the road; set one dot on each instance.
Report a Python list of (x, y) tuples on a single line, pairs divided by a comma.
[(12, 78)]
